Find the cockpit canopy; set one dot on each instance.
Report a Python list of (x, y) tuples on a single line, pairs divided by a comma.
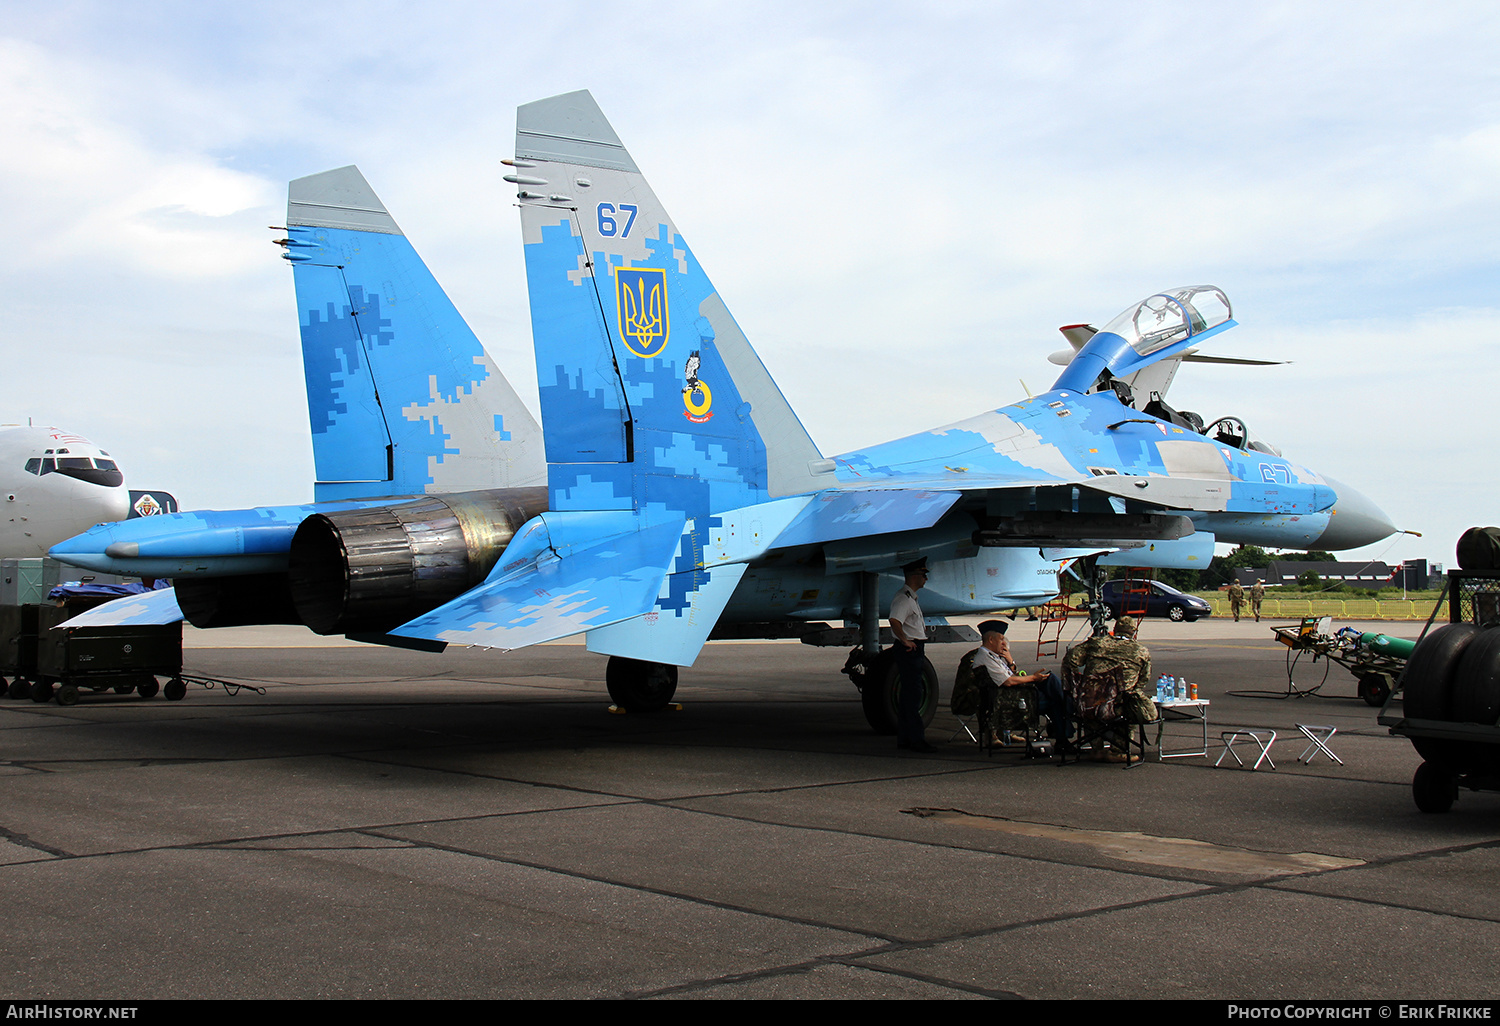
[(1167, 317)]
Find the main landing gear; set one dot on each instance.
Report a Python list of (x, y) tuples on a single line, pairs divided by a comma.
[(878, 679), (638, 686)]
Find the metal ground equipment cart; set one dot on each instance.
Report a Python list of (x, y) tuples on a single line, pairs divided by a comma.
[(1450, 694), (17, 649), (1375, 660), (118, 659)]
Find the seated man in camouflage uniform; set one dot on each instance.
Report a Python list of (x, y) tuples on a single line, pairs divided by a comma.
[(1118, 652)]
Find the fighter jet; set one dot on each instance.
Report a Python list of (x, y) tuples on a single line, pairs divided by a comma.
[(683, 499), (55, 484)]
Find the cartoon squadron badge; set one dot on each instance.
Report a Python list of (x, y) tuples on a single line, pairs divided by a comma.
[(641, 294), (695, 394)]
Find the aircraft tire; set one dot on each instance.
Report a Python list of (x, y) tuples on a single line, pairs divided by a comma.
[(1430, 671), (638, 686), (1476, 683), (41, 691), (1434, 788), (148, 688), (176, 689), (1375, 688), (19, 688), (879, 694)]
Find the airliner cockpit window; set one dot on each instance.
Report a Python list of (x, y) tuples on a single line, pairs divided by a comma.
[(83, 469), (34, 465)]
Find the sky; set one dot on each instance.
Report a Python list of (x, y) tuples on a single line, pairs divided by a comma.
[(899, 202)]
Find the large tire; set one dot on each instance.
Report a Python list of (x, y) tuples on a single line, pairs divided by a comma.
[(176, 689), (148, 688), (67, 694), (1434, 788), (879, 694), (1428, 687), (1476, 683), (20, 687), (41, 691), (638, 686)]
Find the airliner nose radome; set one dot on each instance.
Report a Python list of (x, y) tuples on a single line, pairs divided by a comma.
[(1356, 521)]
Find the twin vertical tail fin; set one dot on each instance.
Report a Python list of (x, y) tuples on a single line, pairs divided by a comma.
[(652, 398), (401, 396)]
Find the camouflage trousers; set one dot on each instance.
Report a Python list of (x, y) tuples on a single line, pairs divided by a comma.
[(1137, 709)]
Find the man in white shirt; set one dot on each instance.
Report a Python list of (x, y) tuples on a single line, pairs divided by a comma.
[(910, 629), (994, 659)]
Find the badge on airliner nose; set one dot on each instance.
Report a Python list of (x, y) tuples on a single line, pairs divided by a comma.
[(641, 293)]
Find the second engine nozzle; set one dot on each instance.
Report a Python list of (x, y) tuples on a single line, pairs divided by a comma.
[(371, 570)]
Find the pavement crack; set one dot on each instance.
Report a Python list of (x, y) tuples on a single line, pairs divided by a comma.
[(26, 842)]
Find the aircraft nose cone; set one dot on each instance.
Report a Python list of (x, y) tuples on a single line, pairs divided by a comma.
[(1356, 521)]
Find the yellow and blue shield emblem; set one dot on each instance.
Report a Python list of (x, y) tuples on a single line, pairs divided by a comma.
[(641, 293)]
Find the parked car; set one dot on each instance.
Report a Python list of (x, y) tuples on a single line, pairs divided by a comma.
[(1162, 600)]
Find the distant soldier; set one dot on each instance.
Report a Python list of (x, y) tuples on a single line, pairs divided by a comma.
[(1257, 595), (1236, 599), (1120, 651)]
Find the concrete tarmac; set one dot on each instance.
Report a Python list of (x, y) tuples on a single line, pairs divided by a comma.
[(387, 824)]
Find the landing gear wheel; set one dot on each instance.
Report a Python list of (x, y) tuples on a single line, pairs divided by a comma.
[(148, 688), (41, 691), (67, 694), (638, 686), (176, 689), (1176, 614), (20, 687), (879, 694), (1434, 788), (1375, 688)]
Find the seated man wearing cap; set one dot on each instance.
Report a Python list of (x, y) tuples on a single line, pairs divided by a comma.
[(994, 666)]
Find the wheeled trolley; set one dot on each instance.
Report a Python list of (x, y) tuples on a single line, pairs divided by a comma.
[(18, 649), (119, 659)]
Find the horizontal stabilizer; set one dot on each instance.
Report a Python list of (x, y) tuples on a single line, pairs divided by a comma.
[(152, 607), (1191, 553), (549, 595)]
